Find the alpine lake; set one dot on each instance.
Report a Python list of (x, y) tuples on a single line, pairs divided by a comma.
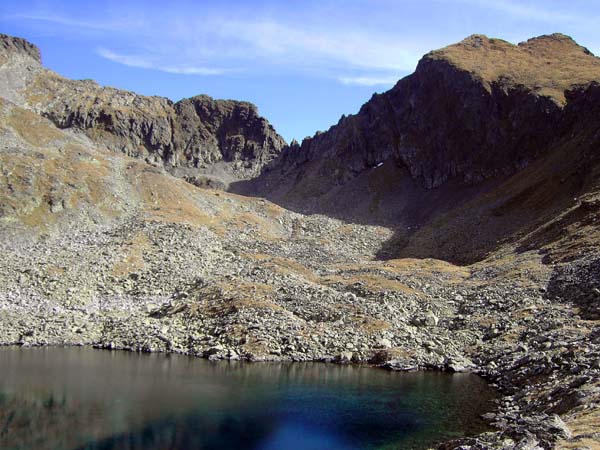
[(82, 398)]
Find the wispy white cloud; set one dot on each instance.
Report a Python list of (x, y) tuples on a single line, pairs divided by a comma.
[(309, 45), (542, 12), (146, 62), (368, 81), (101, 25), (204, 41), (193, 44)]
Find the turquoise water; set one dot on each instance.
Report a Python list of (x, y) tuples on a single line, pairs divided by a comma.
[(79, 398)]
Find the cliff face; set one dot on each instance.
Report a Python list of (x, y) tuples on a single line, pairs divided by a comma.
[(475, 110), (227, 130), (187, 137), (481, 145), (552, 205)]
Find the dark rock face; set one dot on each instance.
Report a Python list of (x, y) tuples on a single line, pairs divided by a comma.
[(482, 144), (190, 134), (479, 109), (185, 137), (440, 124), (227, 130)]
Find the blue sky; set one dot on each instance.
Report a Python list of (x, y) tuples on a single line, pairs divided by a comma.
[(303, 63)]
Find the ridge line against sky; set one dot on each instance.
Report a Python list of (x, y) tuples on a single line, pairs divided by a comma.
[(303, 63)]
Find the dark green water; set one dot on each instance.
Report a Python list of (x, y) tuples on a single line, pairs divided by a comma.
[(78, 398)]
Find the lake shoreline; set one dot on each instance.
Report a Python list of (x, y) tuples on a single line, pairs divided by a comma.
[(404, 410), (484, 440)]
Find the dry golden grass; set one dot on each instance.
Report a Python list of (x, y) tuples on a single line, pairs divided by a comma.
[(246, 220), (271, 210), (61, 171), (255, 347), (91, 189), (289, 266), (174, 201), (67, 172), (408, 267), (230, 297), (26, 174), (133, 261), (54, 270), (521, 314), (245, 290), (524, 270), (583, 424), (397, 353), (370, 325), (169, 200), (426, 266), (374, 283), (579, 444), (549, 65), (512, 337), (485, 321), (32, 128)]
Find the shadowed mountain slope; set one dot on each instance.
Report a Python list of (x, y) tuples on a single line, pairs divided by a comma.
[(450, 154)]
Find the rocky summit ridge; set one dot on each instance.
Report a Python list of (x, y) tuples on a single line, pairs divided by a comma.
[(209, 142), (549, 64), (463, 114), (452, 224), (473, 118), (15, 45)]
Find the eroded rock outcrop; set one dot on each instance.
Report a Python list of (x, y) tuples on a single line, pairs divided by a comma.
[(187, 137), (17, 45), (478, 109), (483, 143)]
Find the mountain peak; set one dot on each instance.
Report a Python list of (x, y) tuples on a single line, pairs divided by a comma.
[(479, 40), (554, 45), (15, 45), (549, 64), (200, 139)]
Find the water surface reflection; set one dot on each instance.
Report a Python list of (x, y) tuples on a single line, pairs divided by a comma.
[(79, 398)]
